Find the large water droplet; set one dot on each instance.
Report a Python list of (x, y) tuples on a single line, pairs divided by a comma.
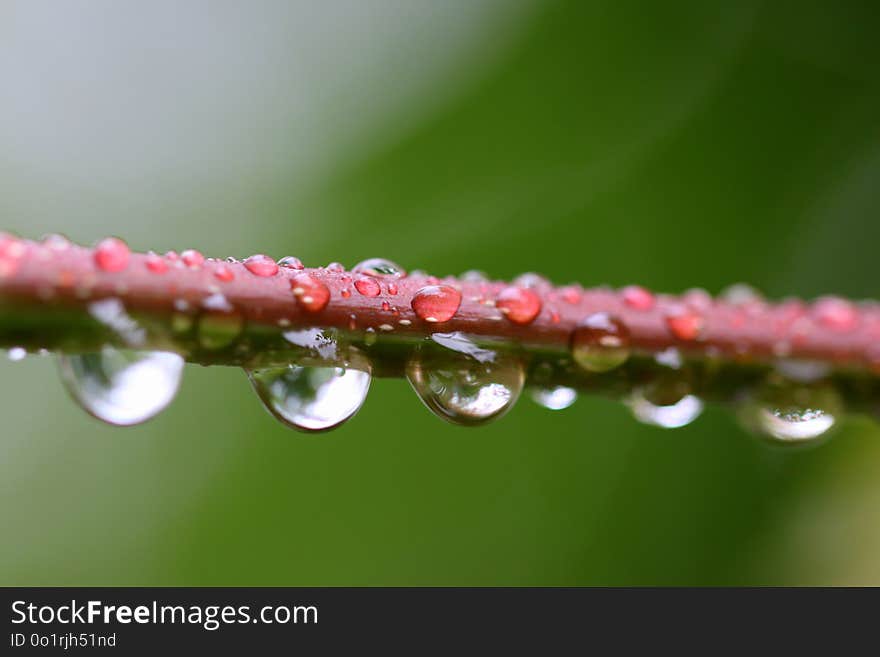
[(665, 405), (600, 343), (555, 398), (122, 387), (311, 398), (519, 304), (112, 254), (791, 413), (463, 383), (379, 267), (436, 303)]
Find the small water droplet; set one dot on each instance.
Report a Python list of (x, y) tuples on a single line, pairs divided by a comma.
[(367, 286), (311, 399), (637, 297), (436, 303), (156, 263), (685, 324), (311, 294), (11, 252), (669, 407), (392, 288), (698, 299), (555, 398), (741, 294), (520, 305), (291, 262), (836, 314), (172, 256), (122, 387), (472, 276), (345, 293), (460, 384), (531, 280), (112, 255), (56, 242), (223, 273), (261, 265), (600, 343), (379, 267), (335, 266), (16, 354), (192, 258), (571, 294), (370, 337)]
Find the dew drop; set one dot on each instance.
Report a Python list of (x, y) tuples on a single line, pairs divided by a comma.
[(112, 255), (345, 293), (261, 265), (685, 324), (156, 263), (637, 297), (531, 280), (335, 266), (472, 276), (571, 294), (192, 258), (555, 398), (291, 262), (520, 305), (740, 294), (669, 407), (311, 399), (600, 343), (436, 303), (223, 273), (463, 383), (379, 267), (56, 242), (392, 288), (122, 387), (836, 314), (370, 337), (311, 294), (11, 252), (791, 413), (16, 354), (367, 286)]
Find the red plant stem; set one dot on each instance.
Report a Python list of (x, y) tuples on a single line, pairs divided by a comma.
[(834, 331)]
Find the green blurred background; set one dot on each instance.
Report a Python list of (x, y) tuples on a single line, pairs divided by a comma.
[(672, 144)]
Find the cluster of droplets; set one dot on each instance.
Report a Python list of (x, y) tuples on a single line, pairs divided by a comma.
[(461, 378)]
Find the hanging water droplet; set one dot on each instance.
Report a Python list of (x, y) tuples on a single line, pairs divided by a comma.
[(111, 255), (463, 383), (16, 354), (664, 404), (791, 413), (379, 267), (436, 303), (311, 398), (122, 387), (555, 398), (261, 265), (600, 343)]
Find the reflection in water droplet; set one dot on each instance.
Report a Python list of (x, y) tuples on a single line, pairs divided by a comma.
[(669, 408), (519, 304), (555, 398), (791, 413), (379, 267), (122, 387), (669, 357), (16, 354), (291, 262), (317, 340), (311, 294), (370, 337), (463, 383), (436, 303), (600, 343), (367, 286), (311, 398)]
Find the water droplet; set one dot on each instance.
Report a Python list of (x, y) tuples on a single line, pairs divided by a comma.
[(311, 398), (462, 384), (571, 294), (192, 258), (311, 294), (219, 329), (319, 342), (555, 399), (261, 265), (685, 324), (637, 297), (520, 305), (370, 337), (217, 302), (156, 263), (472, 276), (392, 288), (436, 303), (741, 294), (669, 357), (367, 286), (11, 252), (600, 343), (172, 256), (56, 242), (223, 273), (791, 413), (669, 407), (16, 354), (122, 387), (112, 314), (531, 280), (335, 266), (836, 314), (291, 262), (698, 299), (379, 267), (112, 255)]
